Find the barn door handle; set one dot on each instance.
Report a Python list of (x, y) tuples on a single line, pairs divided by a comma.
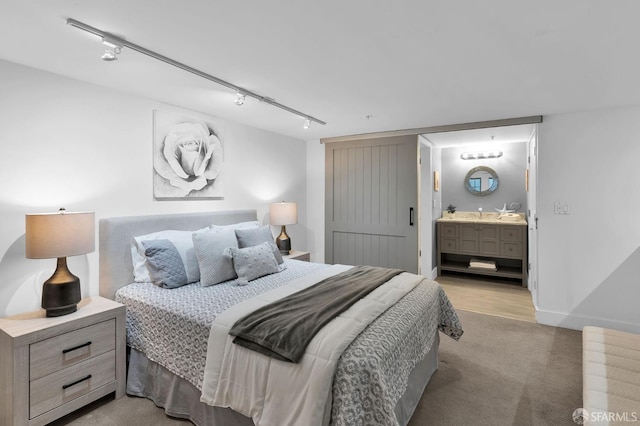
[(410, 216)]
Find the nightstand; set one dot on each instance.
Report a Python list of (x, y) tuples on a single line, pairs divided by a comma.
[(298, 255), (52, 366)]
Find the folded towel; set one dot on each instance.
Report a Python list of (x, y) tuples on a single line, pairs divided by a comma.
[(483, 264)]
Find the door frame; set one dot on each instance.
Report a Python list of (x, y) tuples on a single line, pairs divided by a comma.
[(426, 205), (532, 214)]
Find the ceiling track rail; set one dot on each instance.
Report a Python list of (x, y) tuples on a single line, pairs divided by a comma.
[(184, 67)]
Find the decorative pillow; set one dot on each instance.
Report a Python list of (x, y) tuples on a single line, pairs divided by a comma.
[(253, 262), (240, 225), (215, 267), (181, 240), (253, 237), (165, 265)]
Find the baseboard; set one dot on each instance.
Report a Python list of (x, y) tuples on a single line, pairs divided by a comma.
[(577, 322)]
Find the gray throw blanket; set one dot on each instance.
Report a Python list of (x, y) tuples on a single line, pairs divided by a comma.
[(283, 329)]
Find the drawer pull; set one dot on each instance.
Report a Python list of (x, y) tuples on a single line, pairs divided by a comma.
[(76, 382), (64, 351)]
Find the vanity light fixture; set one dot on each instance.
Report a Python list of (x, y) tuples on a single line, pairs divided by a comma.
[(118, 43), (480, 155)]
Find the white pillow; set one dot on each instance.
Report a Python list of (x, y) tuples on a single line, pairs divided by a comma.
[(183, 242), (240, 225)]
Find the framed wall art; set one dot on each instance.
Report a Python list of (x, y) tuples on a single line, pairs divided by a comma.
[(188, 156)]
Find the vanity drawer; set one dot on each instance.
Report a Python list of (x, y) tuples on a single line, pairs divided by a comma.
[(448, 245), (449, 230), (71, 383), (70, 348), (511, 233), (511, 249)]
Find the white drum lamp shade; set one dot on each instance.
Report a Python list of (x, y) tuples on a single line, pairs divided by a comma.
[(58, 235)]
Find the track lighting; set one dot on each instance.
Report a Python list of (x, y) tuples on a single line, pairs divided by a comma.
[(115, 44), (240, 99), (307, 124)]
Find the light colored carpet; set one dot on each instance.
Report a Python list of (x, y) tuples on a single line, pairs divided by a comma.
[(504, 372), (501, 372)]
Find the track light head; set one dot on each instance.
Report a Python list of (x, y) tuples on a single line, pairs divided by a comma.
[(113, 48), (109, 55), (307, 124), (240, 98)]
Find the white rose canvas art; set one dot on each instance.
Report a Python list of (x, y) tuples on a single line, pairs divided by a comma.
[(187, 156)]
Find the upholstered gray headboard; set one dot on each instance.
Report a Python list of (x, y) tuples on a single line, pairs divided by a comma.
[(116, 234)]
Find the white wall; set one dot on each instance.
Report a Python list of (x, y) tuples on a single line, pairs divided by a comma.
[(84, 147), (589, 260), (510, 169), (315, 200)]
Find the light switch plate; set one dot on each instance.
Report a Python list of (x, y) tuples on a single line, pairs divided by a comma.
[(561, 208)]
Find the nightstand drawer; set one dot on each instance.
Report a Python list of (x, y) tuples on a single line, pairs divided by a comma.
[(71, 348), (70, 383)]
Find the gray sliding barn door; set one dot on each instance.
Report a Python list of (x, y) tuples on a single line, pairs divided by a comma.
[(371, 202)]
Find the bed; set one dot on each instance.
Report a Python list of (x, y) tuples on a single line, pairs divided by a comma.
[(168, 334)]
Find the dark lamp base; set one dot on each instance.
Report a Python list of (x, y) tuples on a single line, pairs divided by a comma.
[(283, 241), (58, 312), (61, 292)]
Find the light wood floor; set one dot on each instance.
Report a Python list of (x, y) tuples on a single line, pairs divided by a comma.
[(479, 294)]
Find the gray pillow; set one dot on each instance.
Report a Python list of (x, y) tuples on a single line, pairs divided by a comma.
[(166, 266), (210, 246), (253, 262), (255, 236)]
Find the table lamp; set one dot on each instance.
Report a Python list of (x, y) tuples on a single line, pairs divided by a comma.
[(58, 235), (283, 214)]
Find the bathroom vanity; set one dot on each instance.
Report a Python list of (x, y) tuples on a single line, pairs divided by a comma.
[(487, 240)]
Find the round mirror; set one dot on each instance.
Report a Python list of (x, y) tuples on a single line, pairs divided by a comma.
[(481, 181)]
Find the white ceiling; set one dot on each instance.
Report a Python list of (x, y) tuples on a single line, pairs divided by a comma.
[(408, 64)]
